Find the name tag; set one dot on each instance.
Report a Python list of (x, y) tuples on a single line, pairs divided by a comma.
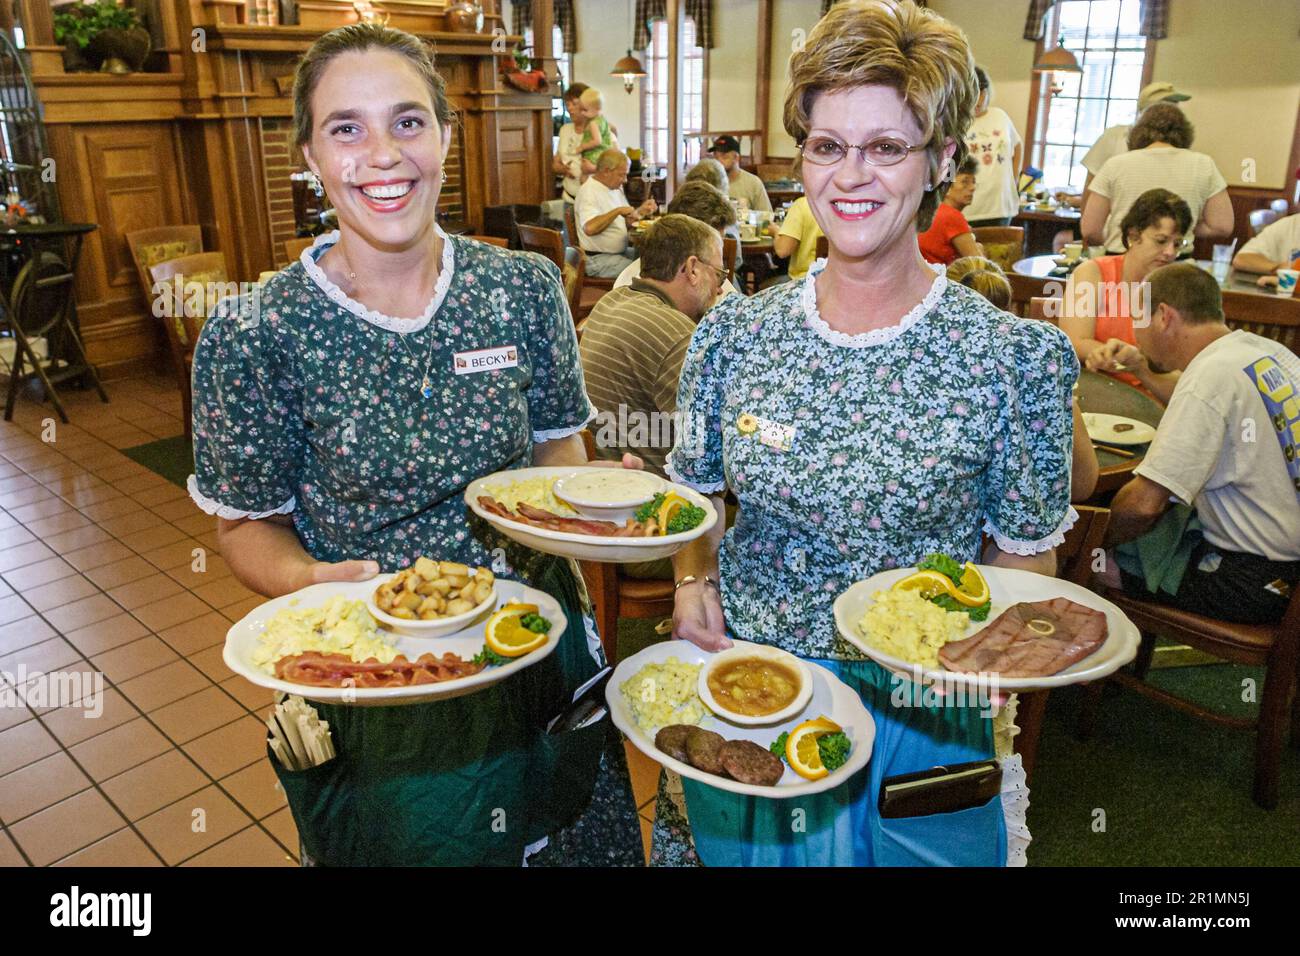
[(775, 435), (485, 360)]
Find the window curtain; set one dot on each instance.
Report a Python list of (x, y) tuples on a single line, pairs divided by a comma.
[(648, 11), (521, 13), (1154, 15)]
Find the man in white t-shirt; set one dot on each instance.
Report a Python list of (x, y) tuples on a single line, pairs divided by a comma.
[(1276, 247), (603, 215), (1228, 445), (741, 184)]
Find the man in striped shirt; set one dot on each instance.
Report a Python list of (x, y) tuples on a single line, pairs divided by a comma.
[(635, 339)]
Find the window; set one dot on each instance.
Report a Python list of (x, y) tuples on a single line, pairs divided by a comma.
[(1104, 35), (654, 93)]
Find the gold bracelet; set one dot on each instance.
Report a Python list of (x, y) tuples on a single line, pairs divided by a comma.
[(691, 579)]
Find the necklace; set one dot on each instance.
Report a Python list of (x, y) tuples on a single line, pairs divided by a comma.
[(426, 387)]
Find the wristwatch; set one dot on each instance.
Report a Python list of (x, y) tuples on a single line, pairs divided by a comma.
[(691, 579)]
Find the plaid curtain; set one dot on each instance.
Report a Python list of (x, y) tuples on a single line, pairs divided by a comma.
[(701, 11), (565, 18), (647, 11), (521, 16), (1153, 14)]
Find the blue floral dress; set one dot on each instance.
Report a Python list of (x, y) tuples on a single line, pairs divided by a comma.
[(366, 429), (851, 455)]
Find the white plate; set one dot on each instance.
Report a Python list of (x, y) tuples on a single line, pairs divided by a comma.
[(830, 696), (586, 547), (435, 627), (1006, 587), (1102, 428), (242, 640)]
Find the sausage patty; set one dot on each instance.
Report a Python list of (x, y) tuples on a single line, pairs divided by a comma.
[(703, 750), (672, 741), (749, 763)]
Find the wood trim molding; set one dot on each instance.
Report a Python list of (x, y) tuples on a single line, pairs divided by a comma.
[(763, 67)]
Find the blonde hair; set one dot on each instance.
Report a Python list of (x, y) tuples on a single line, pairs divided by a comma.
[(591, 98), (357, 38), (984, 276), (897, 44)]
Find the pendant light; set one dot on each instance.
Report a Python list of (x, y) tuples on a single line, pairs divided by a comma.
[(629, 68), (1057, 60)]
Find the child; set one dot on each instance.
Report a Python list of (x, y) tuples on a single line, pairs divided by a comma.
[(597, 137)]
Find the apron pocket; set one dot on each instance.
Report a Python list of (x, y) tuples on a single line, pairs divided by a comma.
[(971, 837), (321, 809)]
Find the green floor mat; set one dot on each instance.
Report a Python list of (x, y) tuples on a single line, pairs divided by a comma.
[(173, 458)]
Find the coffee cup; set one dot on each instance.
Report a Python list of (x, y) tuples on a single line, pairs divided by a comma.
[(1072, 250), (748, 231), (1286, 281)]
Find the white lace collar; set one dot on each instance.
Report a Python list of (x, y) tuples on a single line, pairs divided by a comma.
[(388, 322), (875, 336)]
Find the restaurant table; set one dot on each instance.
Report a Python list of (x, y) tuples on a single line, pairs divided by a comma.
[(1102, 394), (781, 195), (758, 263), (1042, 225)]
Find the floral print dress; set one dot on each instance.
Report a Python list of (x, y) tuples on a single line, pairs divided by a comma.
[(365, 429), (851, 455)]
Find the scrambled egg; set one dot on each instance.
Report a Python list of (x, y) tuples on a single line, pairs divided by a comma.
[(340, 627), (538, 492), (905, 625), (663, 694)]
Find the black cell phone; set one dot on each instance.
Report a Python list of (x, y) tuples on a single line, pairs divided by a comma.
[(940, 789), (588, 705)]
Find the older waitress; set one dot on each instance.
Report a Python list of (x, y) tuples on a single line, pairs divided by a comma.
[(334, 439), (905, 415)]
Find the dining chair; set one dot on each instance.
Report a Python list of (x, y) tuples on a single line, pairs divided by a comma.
[(617, 596), (1259, 218), (1005, 245), (151, 246), (182, 320), (546, 242), (575, 275), (293, 248), (1041, 306), (1275, 647), (492, 241), (823, 248), (1024, 288), (730, 250), (1074, 559)]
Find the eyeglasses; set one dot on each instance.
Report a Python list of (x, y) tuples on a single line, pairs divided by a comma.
[(720, 272), (884, 151)]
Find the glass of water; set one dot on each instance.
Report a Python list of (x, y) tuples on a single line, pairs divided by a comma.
[(1221, 266)]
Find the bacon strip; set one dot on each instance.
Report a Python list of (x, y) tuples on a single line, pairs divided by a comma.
[(541, 518), (339, 670)]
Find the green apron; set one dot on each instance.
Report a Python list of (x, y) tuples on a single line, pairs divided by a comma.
[(477, 792)]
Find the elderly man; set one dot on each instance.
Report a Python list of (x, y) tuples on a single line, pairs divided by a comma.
[(1229, 445), (704, 202), (603, 215), (740, 184)]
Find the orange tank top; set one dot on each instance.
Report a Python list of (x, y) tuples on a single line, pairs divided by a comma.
[(1113, 318)]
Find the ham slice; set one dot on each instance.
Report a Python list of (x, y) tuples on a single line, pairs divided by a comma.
[(1030, 640)]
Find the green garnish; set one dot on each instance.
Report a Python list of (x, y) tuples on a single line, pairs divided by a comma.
[(954, 571), (650, 508), (687, 517), (490, 658), (535, 623), (833, 748), (778, 746)]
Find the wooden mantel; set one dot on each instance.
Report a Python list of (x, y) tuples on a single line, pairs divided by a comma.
[(208, 140)]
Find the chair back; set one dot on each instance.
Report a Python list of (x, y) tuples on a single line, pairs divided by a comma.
[(1039, 309), (547, 242), (1005, 245), (152, 246), (1259, 218), (1082, 545), (200, 281), (730, 249), (570, 225), (823, 247), (1024, 288), (293, 248), (575, 275), (492, 241)]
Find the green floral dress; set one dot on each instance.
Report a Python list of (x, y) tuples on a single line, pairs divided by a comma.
[(366, 429)]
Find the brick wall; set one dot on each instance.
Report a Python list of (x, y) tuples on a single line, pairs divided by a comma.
[(280, 157)]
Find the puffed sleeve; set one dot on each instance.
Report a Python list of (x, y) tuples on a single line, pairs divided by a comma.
[(1027, 488), (557, 398), (248, 429), (696, 458)]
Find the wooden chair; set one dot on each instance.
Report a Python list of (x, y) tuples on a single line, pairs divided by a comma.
[(293, 248), (1275, 647), (1074, 561), (730, 249), (1259, 218), (1005, 245), (1024, 288), (575, 275), (492, 241), (183, 320), (546, 242), (1039, 306), (823, 247), (152, 246)]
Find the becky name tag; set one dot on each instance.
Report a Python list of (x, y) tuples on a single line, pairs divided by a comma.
[(485, 360)]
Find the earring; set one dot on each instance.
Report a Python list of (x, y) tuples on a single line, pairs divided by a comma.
[(444, 174)]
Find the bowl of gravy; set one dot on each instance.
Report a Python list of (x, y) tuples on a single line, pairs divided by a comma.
[(752, 684)]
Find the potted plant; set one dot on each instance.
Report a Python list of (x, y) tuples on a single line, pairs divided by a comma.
[(104, 36)]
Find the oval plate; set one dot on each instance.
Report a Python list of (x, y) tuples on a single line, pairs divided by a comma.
[(830, 696), (242, 640), (585, 547), (1006, 587), (1101, 427)]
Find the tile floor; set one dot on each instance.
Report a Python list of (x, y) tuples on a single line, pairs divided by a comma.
[(108, 569)]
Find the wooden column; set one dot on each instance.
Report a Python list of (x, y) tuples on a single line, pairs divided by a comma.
[(674, 98), (762, 86)]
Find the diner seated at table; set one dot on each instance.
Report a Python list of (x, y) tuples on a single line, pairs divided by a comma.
[(1276, 247), (742, 184), (1104, 296), (602, 213), (987, 278), (1210, 522), (709, 170), (1159, 154), (699, 200), (949, 236), (797, 239)]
